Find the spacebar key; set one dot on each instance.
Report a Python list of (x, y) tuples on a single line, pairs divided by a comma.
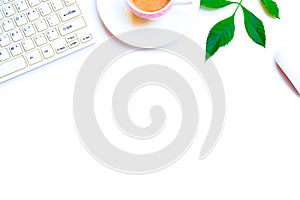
[(12, 66)]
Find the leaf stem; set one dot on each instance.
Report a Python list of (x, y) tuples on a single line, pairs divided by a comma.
[(239, 4)]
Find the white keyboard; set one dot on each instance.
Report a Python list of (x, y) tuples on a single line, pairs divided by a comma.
[(36, 32)]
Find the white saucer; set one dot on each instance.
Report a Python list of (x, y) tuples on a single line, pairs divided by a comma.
[(119, 19)]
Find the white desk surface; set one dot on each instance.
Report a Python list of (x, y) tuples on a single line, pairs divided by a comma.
[(41, 156)]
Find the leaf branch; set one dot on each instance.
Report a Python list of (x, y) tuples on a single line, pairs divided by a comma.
[(223, 32)]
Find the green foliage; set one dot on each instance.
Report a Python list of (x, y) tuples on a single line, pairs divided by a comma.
[(220, 35), (223, 32), (215, 3), (254, 27), (271, 8)]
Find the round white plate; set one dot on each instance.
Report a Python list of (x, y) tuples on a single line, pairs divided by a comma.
[(119, 19)]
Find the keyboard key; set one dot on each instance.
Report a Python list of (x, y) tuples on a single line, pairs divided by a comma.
[(52, 34), (47, 51), (4, 40), (28, 45), (45, 9), (21, 5), (16, 35), (72, 26), (40, 25), (69, 2), (32, 14), (34, 57), (40, 40), (33, 3), (4, 55), (12, 66), (7, 1), (71, 37), (28, 30), (56, 4), (86, 38), (7, 25), (73, 44), (8, 10), (20, 19), (69, 13), (53, 20), (16, 50), (61, 48)]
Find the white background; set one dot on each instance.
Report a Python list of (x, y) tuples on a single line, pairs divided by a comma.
[(41, 156)]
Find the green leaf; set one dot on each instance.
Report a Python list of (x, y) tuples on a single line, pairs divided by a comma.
[(214, 3), (220, 35), (271, 8), (254, 27)]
